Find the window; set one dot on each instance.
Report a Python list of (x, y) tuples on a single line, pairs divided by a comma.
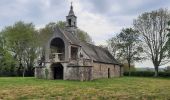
[(74, 51), (69, 22)]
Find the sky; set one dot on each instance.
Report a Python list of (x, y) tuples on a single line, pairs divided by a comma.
[(102, 19)]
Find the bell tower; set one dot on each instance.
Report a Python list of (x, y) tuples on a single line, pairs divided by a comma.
[(71, 20)]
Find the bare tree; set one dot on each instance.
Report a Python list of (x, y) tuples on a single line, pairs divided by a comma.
[(152, 27)]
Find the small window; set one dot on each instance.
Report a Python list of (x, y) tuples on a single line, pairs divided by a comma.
[(74, 51), (69, 22)]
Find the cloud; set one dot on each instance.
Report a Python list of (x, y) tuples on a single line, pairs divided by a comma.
[(109, 16), (100, 18), (36, 11)]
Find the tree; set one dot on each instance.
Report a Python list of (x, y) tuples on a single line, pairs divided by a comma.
[(126, 67), (84, 36), (21, 42), (168, 42), (61, 24), (130, 46), (113, 47), (7, 64), (152, 27), (46, 32), (126, 47)]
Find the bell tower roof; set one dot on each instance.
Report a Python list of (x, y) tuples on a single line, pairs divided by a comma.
[(71, 12), (71, 20)]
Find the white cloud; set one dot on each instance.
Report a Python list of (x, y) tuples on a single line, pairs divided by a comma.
[(96, 25)]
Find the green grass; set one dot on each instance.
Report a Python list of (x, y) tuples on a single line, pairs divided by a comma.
[(124, 88)]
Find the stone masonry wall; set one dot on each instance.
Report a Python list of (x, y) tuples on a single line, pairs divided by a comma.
[(39, 72), (78, 73), (101, 70), (98, 70)]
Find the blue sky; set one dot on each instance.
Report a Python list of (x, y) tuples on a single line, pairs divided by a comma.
[(100, 18)]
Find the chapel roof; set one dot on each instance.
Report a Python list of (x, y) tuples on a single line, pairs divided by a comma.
[(98, 54)]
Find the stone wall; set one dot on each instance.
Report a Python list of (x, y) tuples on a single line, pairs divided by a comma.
[(97, 70), (78, 73), (39, 72), (101, 70)]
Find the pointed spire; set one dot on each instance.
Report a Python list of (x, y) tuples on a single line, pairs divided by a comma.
[(71, 6), (71, 12)]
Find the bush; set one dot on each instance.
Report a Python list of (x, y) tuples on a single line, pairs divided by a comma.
[(147, 74), (164, 74), (126, 67)]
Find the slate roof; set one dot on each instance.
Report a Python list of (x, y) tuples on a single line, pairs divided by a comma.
[(98, 54), (70, 37)]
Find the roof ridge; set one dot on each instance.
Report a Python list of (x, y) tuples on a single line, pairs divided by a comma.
[(96, 46)]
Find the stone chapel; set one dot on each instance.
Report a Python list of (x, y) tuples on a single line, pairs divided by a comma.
[(68, 58)]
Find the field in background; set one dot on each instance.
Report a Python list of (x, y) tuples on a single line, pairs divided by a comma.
[(123, 88)]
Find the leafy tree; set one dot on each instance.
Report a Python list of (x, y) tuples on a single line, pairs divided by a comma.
[(113, 47), (84, 36), (126, 47), (126, 67), (152, 27), (21, 42), (103, 46), (130, 46), (46, 32), (7, 64), (61, 24)]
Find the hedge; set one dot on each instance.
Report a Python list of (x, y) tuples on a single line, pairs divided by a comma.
[(9, 73), (147, 74)]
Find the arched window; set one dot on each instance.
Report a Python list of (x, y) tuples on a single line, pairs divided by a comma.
[(57, 49)]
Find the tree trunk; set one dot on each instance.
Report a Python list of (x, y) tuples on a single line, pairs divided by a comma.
[(23, 73), (129, 68), (156, 71)]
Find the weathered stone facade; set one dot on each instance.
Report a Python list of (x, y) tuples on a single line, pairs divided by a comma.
[(101, 70), (97, 70), (67, 58)]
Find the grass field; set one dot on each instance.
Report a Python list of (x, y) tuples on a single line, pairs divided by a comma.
[(124, 88)]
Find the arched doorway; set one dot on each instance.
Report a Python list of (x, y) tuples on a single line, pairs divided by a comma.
[(57, 71), (57, 49)]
